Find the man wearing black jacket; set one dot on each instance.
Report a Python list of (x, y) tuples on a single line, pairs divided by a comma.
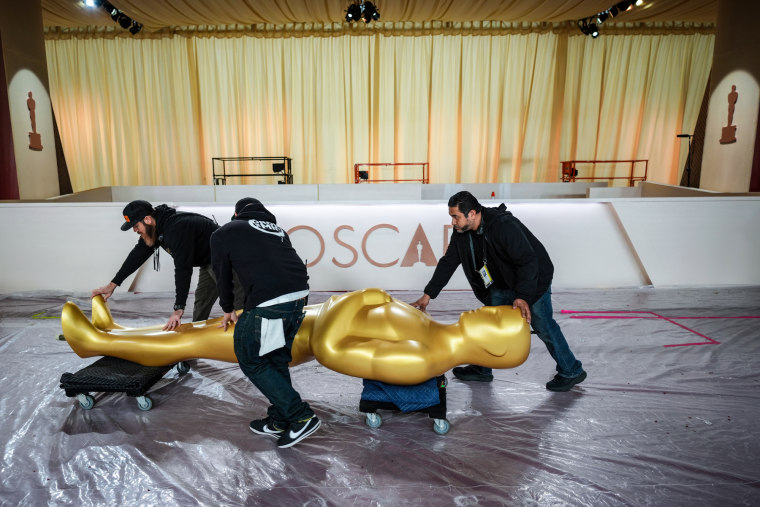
[(184, 236), (275, 282), (505, 264)]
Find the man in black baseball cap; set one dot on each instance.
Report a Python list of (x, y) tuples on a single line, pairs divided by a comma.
[(184, 236), (134, 212)]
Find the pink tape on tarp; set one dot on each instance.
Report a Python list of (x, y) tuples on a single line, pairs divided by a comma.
[(627, 314)]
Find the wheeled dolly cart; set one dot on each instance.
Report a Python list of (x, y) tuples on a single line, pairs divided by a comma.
[(378, 396), (114, 375)]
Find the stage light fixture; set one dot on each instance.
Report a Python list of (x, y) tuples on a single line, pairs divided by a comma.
[(353, 13), (369, 12), (586, 25), (136, 27), (122, 19), (365, 11), (590, 26), (625, 5)]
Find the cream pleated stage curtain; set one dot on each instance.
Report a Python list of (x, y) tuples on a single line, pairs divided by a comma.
[(127, 111), (478, 108)]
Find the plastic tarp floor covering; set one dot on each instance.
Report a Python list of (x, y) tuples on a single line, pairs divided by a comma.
[(667, 416)]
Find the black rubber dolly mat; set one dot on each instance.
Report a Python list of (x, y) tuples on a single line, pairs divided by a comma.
[(114, 375)]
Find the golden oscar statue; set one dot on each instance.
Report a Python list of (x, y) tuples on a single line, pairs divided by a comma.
[(366, 334)]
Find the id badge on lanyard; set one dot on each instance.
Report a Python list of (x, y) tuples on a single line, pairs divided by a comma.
[(485, 275)]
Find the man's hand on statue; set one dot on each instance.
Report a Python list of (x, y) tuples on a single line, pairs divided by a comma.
[(106, 291), (422, 302), (228, 317), (524, 308), (174, 320)]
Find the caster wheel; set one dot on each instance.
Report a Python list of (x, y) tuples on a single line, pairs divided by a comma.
[(86, 401), (144, 403), (441, 426), (183, 367), (373, 420)]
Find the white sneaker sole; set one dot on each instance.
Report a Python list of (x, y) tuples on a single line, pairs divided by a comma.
[(294, 442)]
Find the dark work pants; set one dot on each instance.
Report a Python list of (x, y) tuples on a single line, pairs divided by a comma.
[(206, 293), (270, 373)]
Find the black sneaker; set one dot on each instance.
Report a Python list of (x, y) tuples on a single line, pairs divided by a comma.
[(562, 384), (472, 373), (265, 427), (298, 431)]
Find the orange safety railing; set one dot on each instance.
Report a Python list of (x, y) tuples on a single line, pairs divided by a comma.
[(570, 173)]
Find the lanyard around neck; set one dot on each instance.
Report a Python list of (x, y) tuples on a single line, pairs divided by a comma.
[(472, 251)]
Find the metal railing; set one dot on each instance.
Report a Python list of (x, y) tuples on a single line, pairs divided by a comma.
[(281, 168), (364, 176), (569, 171)]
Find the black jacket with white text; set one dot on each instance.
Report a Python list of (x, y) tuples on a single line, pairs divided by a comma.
[(260, 252)]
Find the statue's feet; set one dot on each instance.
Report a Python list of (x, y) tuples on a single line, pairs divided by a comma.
[(79, 332), (101, 315)]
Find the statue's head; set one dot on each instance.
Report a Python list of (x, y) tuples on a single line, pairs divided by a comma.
[(497, 332)]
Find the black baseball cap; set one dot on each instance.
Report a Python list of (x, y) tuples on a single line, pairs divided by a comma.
[(134, 212), (242, 203), (245, 201)]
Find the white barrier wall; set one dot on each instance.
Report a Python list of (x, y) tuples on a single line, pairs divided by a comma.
[(411, 191), (394, 245)]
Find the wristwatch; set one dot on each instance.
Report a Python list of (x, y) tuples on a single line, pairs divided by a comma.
[(179, 307)]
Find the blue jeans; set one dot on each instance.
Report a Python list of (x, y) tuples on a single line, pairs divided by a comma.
[(547, 329), (270, 373)]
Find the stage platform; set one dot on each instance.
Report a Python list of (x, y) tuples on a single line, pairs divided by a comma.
[(667, 416)]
